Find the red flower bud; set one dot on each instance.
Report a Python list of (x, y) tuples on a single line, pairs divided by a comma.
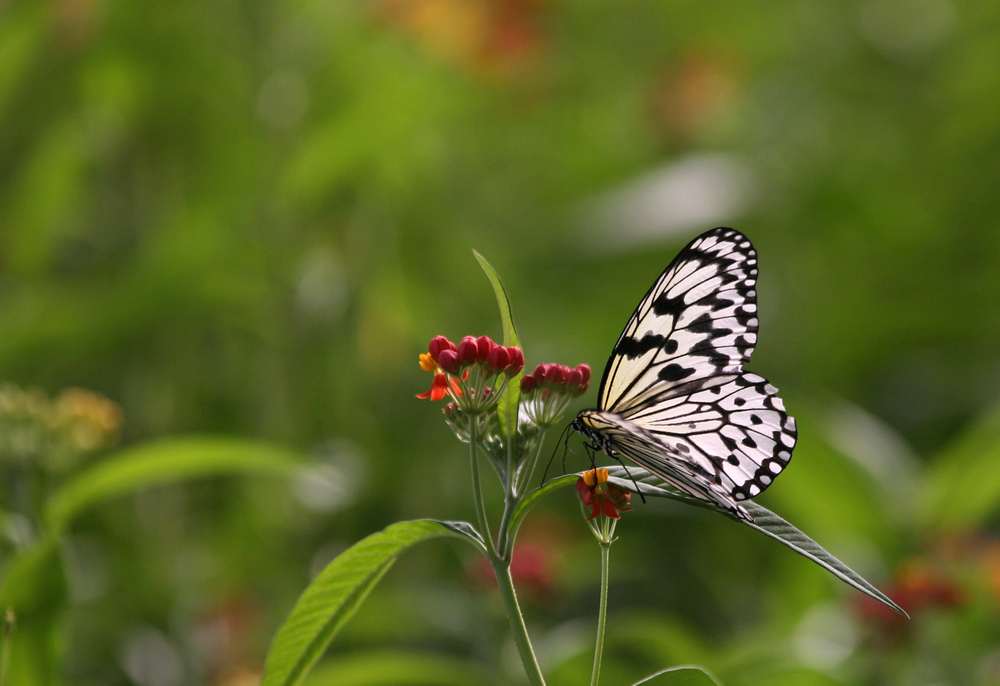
[(468, 350), (575, 378), (498, 359), (516, 360), (539, 372), (448, 359), (557, 374), (484, 344), (527, 383), (439, 344), (585, 370)]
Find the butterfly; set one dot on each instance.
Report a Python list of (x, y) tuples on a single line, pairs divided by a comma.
[(674, 398)]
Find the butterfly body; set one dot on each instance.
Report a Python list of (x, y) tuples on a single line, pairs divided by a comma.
[(674, 398)]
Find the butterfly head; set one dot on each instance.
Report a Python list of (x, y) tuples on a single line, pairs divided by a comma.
[(589, 424)]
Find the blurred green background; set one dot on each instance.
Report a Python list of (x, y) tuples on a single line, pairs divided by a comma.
[(246, 219)]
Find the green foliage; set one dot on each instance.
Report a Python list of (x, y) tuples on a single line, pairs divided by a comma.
[(764, 521), (680, 676), (246, 219), (162, 462), (336, 593), (507, 406), (963, 489), (397, 668)]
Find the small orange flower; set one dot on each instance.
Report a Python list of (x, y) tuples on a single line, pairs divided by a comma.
[(440, 386), (427, 362), (602, 497)]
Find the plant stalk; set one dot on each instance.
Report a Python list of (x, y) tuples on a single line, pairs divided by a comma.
[(602, 613), (506, 585), (477, 489)]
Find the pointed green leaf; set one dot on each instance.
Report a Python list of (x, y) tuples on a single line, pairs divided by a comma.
[(337, 592), (688, 675), (533, 496), (765, 521), (507, 405), (165, 461)]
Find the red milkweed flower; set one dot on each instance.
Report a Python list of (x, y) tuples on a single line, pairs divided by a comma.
[(550, 388), (473, 373), (601, 496), (440, 358)]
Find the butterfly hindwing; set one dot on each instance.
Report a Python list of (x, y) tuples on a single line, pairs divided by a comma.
[(674, 398), (736, 429)]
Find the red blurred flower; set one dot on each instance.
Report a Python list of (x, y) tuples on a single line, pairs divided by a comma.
[(917, 587), (532, 567), (601, 496)]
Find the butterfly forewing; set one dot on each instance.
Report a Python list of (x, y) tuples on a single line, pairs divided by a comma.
[(698, 320), (674, 398)]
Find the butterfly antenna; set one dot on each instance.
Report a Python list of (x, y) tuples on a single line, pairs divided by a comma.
[(564, 439)]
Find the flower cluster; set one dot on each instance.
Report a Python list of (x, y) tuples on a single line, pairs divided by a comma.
[(601, 496), (462, 371), (57, 432), (548, 390), (557, 378)]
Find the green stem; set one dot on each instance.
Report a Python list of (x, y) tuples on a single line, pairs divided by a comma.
[(9, 621), (506, 585), (505, 543), (602, 613), (477, 489), (530, 463)]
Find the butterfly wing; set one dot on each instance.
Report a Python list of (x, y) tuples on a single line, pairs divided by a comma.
[(621, 438), (698, 320), (682, 405)]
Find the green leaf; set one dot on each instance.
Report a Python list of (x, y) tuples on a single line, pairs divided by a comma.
[(507, 405), (533, 496), (962, 488), (33, 576), (161, 462), (681, 676), (337, 592), (765, 521), (397, 668)]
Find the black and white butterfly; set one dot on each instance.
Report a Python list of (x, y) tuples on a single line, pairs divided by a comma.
[(674, 398)]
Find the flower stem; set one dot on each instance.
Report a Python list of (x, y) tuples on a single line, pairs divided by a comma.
[(9, 621), (602, 613), (477, 489), (506, 585)]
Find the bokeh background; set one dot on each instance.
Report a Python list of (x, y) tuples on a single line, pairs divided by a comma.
[(246, 219)]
